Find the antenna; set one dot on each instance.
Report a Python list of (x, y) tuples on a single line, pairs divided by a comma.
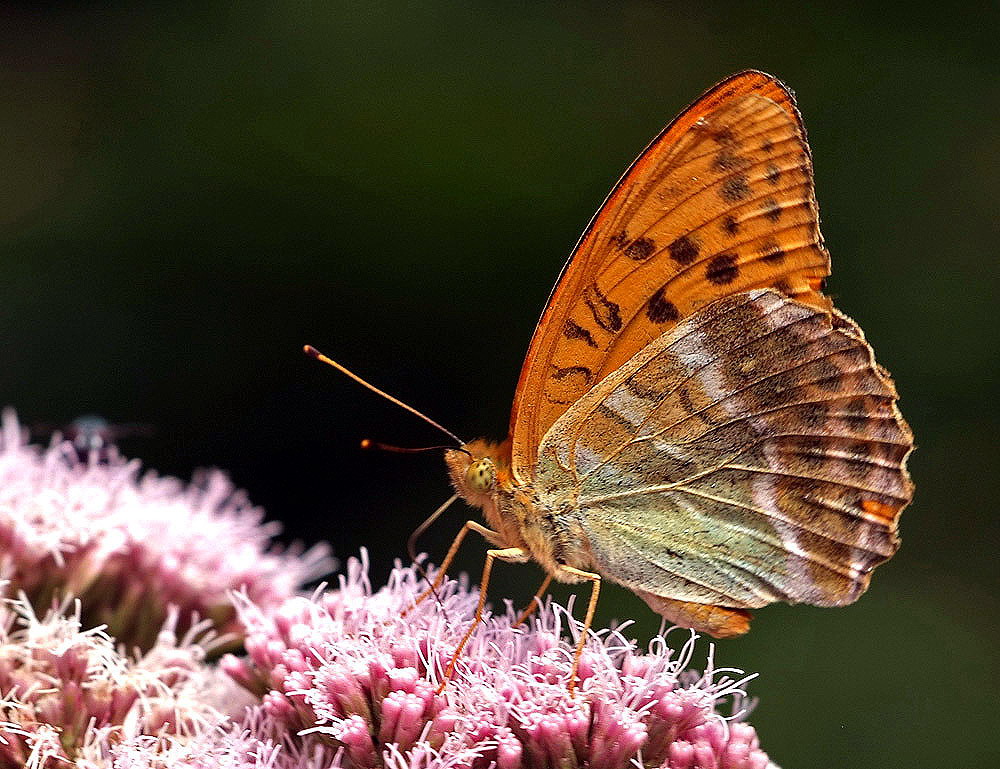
[(312, 352), (368, 444)]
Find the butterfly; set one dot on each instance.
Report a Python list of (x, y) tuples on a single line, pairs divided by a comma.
[(694, 420)]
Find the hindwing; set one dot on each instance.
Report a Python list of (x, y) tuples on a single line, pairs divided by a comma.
[(751, 454)]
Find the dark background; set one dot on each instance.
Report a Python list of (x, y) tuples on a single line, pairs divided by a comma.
[(192, 192)]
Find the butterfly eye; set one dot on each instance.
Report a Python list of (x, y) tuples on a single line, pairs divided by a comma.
[(481, 475)]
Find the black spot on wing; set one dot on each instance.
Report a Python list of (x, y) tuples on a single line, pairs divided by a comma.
[(727, 160), (722, 269), (659, 309), (684, 250), (735, 188), (606, 313), (724, 137), (640, 249), (573, 330), (771, 252)]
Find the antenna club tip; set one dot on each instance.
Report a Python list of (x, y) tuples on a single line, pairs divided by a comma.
[(311, 351), (366, 443)]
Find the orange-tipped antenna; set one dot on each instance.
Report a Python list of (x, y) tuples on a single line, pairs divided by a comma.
[(312, 352), (369, 445)]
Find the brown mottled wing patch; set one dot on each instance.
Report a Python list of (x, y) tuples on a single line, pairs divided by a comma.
[(721, 202), (753, 453)]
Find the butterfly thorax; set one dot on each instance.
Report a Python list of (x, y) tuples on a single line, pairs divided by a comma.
[(484, 479)]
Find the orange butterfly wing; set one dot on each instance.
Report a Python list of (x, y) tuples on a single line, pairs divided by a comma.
[(720, 202)]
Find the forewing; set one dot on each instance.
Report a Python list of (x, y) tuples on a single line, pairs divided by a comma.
[(753, 453), (721, 202)]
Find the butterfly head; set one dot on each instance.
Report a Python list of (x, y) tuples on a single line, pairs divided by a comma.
[(479, 470), (481, 475)]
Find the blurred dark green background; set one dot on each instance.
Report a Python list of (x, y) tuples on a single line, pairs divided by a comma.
[(192, 192)]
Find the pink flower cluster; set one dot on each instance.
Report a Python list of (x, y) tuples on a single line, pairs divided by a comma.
[(69, 696), (354, 673), (97, 560), (130, 546)]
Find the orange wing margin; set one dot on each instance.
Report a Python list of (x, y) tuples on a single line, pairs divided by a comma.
[(720, 202)]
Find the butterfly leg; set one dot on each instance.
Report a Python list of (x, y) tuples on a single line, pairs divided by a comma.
[(577, 575), (536, 601), (488, 534), (509, 555)]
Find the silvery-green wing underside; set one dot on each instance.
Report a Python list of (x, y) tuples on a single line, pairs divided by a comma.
[(753, 453)]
